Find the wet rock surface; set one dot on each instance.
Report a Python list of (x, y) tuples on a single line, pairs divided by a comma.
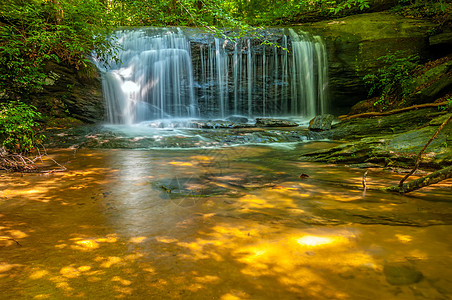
[(219, 124), (356, 42), (321, 123), (71, 92), (393, 140), (268, 122)]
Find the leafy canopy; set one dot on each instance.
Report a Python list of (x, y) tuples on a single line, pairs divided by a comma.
[(34, 32)]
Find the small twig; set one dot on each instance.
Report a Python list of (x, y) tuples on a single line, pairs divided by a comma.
[(63, 168), (11, 239), (39, 155), (364, 180), (18, 162)]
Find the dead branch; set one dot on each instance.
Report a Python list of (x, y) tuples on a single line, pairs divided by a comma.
[(364, 181), (392, 112), (418, 158), (432, 178), (20, 163)]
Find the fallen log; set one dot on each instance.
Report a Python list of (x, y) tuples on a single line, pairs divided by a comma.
[(392, 112), (418, 158), (432, 178)]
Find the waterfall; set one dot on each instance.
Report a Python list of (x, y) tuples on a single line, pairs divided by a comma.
[(169, 73), (153, 78), (309, 74)]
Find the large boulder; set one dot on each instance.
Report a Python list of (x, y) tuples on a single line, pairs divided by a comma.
[(321, 123), (393, 140)]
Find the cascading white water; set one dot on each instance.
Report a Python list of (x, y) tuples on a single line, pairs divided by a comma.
[(155, 78), (309, 74)]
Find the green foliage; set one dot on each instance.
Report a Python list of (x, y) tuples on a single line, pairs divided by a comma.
[(34, 32), (393, 79), (18, 128), (338, 6), (438, 10), (447, 106)]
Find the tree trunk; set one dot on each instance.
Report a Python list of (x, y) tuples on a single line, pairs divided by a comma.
[(59, 14), (433, 178)]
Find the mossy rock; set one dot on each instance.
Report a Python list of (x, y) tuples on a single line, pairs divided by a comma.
[(391, 140), (355, 43)]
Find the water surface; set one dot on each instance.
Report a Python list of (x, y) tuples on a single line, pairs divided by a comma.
[(225, 223)]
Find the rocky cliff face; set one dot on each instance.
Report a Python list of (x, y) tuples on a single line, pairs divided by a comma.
[(69, 92), (356, 42)]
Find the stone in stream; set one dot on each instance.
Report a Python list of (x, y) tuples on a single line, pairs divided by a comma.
[(215, 124), (321, 123), (237, 119), (268, 122)]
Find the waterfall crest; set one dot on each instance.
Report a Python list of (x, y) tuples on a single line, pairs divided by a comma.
[(168, 73)]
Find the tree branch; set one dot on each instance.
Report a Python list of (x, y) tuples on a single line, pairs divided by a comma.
[(432, 178), (418, 158), (392, 112)]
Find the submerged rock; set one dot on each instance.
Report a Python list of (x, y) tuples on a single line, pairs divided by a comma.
[(237, 119), (267, 122), (321, 123), (218, 124), (401, 274)]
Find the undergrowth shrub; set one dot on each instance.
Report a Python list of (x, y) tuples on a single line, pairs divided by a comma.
[(19, 128), (392, 81)]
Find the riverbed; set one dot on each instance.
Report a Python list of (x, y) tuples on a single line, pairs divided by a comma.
[(242, 222)]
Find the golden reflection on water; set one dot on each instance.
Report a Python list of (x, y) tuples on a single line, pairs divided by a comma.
[(219, 224)]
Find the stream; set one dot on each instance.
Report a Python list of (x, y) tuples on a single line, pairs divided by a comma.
[(223, 223)]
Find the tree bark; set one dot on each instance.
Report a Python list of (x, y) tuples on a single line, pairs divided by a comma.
[(433, 178), (59, 14)]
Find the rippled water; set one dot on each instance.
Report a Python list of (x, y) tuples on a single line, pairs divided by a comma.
[(225, 223)]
